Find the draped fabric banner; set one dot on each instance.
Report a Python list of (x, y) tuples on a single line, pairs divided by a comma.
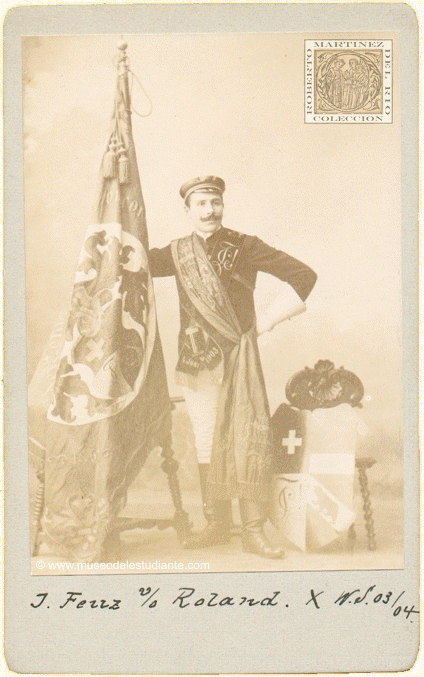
[(241, 452), (109, 404)]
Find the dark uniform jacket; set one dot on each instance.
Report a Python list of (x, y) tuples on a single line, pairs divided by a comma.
[(255, 256)]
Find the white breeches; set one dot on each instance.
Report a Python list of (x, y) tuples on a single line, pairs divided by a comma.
[(202, 405)]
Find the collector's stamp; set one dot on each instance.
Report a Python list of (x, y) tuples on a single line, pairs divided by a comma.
[(348, 81)]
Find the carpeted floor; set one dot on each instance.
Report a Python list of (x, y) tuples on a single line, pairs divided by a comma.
[(158, 551)]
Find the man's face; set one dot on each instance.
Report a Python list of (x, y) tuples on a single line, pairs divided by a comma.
[(205, 211)]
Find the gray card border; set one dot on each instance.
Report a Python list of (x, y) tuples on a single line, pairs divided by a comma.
[(169, 641)]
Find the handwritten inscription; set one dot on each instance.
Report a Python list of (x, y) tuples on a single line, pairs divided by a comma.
[(370, 596), (214, 599), (76, 599), (394, 603)]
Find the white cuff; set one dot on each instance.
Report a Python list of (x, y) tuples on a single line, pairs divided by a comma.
[(285, 306)]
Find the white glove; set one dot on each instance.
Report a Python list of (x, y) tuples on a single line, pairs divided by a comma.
[(285, 306)]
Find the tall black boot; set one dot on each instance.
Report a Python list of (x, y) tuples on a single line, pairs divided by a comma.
[(225, 505), (217, 515), (203, 476), (253, 538)]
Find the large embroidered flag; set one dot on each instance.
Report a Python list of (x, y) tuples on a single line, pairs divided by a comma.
[(110, 402)]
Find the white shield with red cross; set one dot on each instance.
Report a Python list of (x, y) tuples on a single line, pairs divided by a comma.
[(312, 491)]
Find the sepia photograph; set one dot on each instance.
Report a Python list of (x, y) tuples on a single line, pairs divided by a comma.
[(211, 338), (213, 302)]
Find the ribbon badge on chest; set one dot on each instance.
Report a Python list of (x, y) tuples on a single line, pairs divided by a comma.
[(199, 351)]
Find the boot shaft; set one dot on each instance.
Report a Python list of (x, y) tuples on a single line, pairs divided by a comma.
[(253, 514), (253, 517)]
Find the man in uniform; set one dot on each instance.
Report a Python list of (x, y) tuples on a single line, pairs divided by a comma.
[(219, 366)]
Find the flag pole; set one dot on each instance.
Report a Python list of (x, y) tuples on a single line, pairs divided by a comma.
[(123, 68)]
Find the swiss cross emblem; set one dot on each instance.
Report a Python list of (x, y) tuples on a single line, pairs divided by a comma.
[(291, 442), (289, 439)]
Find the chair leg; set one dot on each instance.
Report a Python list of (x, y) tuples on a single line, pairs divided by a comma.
[(169, 465), (36, 518), (366, 498), (351, 538)]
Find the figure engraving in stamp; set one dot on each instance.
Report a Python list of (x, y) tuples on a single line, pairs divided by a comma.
[(348, 81)]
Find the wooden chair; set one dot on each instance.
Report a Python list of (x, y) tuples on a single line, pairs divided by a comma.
[(180, 521)]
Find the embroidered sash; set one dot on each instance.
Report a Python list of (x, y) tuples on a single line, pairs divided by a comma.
[(241, 453), (198, 349)]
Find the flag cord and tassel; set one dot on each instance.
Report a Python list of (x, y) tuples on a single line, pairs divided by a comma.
[(123, 165), (141, 115), (109, 159), (123, 59), (115, 161), (121, 154)]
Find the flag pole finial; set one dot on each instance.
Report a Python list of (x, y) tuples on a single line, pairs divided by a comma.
[(122, 57)]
